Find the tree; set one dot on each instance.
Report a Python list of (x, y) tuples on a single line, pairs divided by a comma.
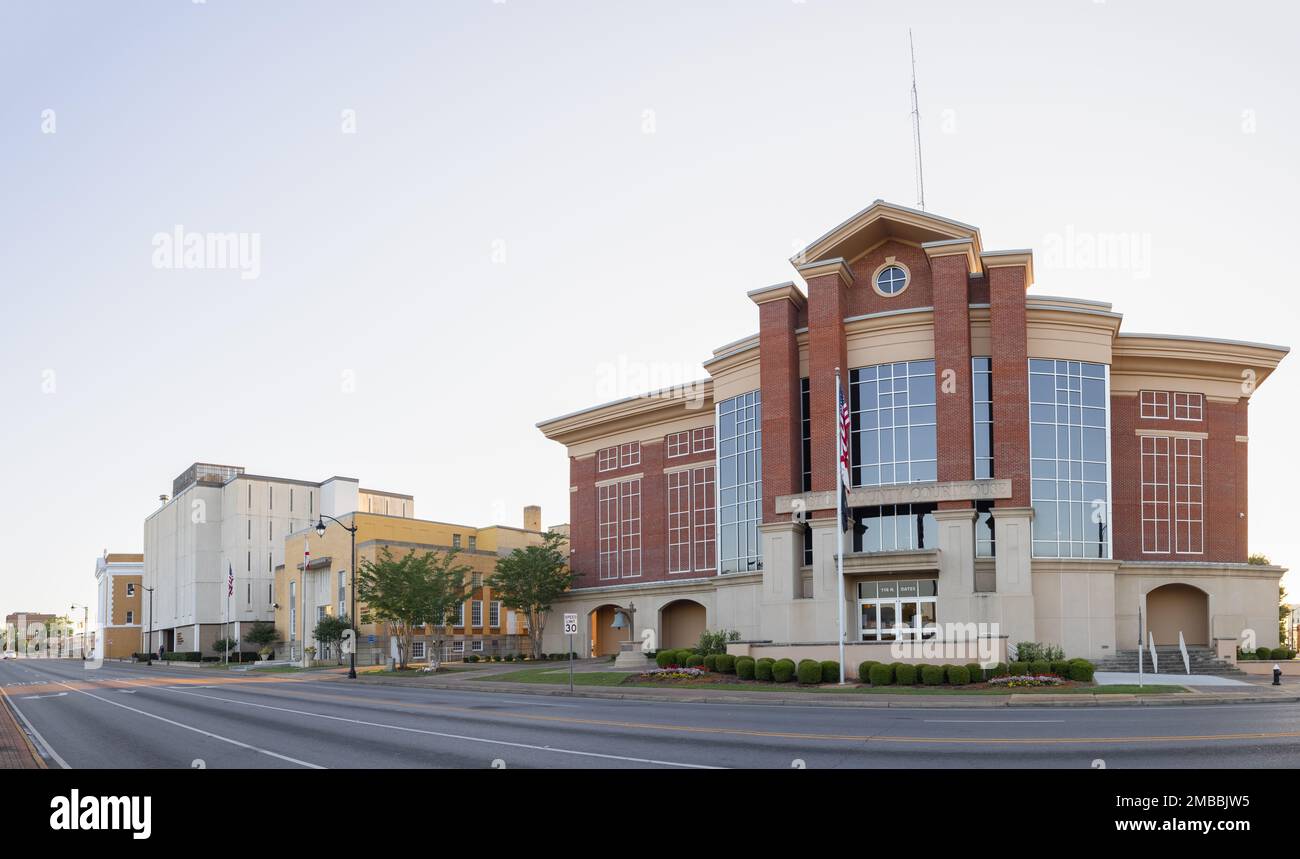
[(220, 646), (330, 631), (531, 579), (262, 635), (413, 591)]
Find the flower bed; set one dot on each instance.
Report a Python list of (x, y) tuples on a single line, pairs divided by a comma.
[(1023, 680), (672, 673)]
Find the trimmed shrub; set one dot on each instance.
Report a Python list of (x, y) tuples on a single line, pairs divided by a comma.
[(1282, 653), (975, 671), (1263, 653), (745, 668), (726, 663), (783, 670), (946, 669), (694, 661), (830, 671), (864, 670), (711, 662), (999, 670), (931, 675), (763, 669), (664, 658), (810, 672), (1040, 666), (1061, 668), (1081, 670), (183, 656), (905, 675), (958, 675), (881, 675)]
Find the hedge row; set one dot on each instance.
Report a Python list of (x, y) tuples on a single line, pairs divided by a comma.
[(905, 674), (1264, 653)]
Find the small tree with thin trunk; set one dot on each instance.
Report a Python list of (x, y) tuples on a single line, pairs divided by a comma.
[(411, 592), (531, 579), (262, 635), (329, 632)]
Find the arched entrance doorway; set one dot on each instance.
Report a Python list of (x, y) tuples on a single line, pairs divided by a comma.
[(605, 639), (680, 624), (1178, 608)]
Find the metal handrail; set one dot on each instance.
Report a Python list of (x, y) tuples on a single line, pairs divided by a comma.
[(1155, 665), (1182, 648)]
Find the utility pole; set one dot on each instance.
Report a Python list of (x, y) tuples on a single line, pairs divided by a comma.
[(149, 640)]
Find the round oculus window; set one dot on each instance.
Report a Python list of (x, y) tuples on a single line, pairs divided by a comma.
[(891, 280)]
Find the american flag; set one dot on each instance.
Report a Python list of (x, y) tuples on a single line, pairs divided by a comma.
[(842, 446), (230, 580)]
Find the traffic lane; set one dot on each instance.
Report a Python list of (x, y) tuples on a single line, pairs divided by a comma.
[(738, 750), (342, 739), (367, 735), (486, 708), (94, 730), (1110, 725)]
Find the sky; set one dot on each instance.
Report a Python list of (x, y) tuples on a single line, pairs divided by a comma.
[(463, 217)]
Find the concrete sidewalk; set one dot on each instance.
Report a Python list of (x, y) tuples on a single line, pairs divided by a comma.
[(1249, 694)]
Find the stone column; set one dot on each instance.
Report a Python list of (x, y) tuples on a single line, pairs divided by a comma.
[(782, 545), (1013, 536)]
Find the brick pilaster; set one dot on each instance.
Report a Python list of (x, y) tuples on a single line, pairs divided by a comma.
[(1007, 284)]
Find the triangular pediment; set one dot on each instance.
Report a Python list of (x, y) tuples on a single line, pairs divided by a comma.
[(882, 221)]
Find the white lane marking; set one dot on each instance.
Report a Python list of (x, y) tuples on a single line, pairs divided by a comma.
[(44, 744), (241, 745), (540, 704), (35, 697), (364, 723), (992, 721)]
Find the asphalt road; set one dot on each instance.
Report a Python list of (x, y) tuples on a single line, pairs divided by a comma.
[(136, 716)]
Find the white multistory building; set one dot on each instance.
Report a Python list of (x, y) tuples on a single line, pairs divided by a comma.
[(221, 521)]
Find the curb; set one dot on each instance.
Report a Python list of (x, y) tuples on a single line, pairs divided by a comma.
[(813, 699)]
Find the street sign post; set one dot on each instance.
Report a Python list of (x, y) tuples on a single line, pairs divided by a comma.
[(570, 629)]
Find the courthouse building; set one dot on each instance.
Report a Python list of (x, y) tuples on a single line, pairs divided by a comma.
[(221, 521), (1016, 459)]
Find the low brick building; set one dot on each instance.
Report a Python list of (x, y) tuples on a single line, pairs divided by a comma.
[(1017, 462)]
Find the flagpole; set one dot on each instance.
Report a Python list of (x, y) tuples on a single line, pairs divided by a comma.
[(839, 516)]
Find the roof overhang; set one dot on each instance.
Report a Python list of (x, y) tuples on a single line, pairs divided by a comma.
[(881, 221)]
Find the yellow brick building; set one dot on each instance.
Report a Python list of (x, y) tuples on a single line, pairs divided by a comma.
[(118, 579), (305, 593)]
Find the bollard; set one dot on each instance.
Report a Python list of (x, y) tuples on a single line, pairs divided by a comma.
[(1277, 674)]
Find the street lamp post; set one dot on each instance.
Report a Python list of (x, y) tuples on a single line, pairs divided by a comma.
[(149, 641), (320, 532), (85, 626)]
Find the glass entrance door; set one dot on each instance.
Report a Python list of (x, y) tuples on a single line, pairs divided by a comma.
[(890, 610)]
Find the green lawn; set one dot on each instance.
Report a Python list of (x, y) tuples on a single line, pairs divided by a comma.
[(559, 677)]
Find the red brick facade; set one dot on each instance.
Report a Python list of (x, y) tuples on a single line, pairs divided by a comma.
[(948, 277)]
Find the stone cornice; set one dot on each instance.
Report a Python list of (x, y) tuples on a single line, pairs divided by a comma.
[(778, 292), (1011, 259), (821, 268), (956, 247)]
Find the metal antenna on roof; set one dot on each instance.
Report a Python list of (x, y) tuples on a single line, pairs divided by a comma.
[(916, 130)]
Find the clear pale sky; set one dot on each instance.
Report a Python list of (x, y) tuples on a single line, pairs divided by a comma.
[(547, 202)]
